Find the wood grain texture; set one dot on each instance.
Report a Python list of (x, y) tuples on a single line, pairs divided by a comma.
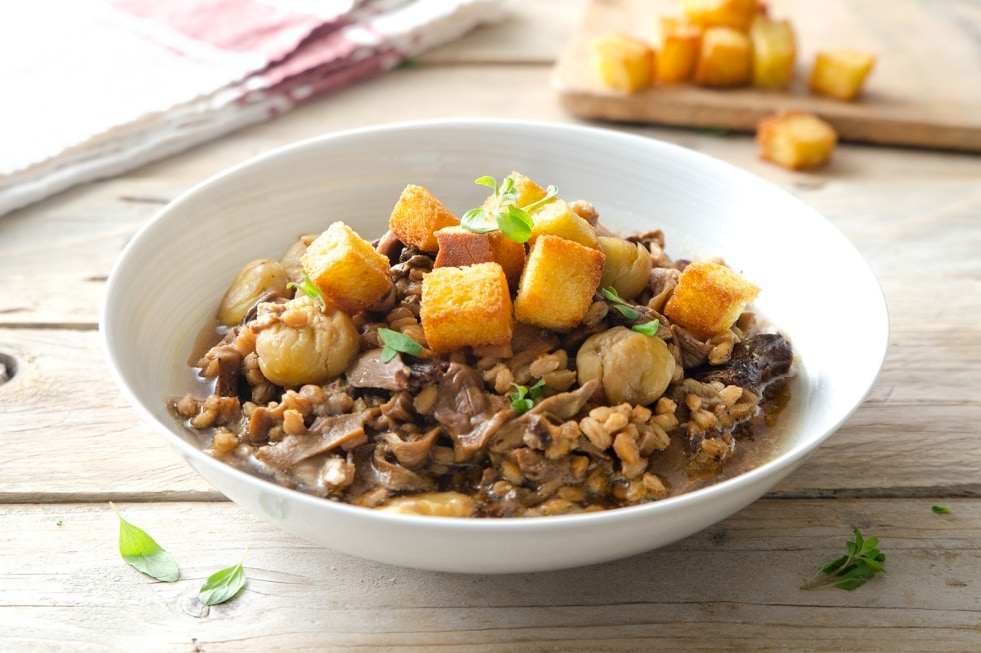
[(924, 90), (706, 593), (69, 443)]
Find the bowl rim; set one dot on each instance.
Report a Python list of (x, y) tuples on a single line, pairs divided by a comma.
[(787, 460)]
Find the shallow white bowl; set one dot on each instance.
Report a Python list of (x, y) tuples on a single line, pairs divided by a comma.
[(167, 283)]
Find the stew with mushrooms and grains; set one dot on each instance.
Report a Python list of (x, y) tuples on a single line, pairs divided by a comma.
[(522, 360)]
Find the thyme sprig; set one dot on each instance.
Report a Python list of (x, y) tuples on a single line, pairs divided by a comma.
[(863, 561)]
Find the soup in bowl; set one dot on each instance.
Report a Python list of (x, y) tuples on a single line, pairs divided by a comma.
[(648, 360)]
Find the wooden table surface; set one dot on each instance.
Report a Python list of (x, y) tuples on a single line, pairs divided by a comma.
[(69, 443)]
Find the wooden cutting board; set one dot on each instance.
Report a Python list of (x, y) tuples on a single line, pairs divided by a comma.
[(924, 91)]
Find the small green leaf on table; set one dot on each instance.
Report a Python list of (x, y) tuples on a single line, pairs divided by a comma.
[(142, 552), (862, 562), (223, 585)]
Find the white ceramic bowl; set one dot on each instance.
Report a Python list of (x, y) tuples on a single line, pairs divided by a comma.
[(167, 283)]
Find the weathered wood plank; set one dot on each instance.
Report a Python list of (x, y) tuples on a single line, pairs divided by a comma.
[(733, 586), (66, 430)]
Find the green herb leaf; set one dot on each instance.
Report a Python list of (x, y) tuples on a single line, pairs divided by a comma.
[(223, 585), (143, 553), (523, 398), (864, 560), (477, 221), (621, 306), (515, 223), (647, 328), (519, 403), (626, 311), (537, 390), (309, 288), (503, 213), (940, 510), (396, 342), (550, 192), (488, 181), (611, 293)]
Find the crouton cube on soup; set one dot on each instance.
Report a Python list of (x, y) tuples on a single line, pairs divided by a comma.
[(558, 283), (466, 306), (417, 216), (557, 219), (350, 273), (459, 246), (709, 298)]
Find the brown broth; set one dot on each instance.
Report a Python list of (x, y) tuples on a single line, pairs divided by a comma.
[(760, 441)]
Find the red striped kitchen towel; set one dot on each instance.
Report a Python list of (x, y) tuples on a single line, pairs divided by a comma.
[(92, 88)]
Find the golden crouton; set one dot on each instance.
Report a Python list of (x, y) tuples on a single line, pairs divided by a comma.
[(459, 246), (622, 62), (350, 273), (466, 306), (557, 219), (558, 283), (678, 51), (709, 298), (796, 140), (528, 191), (417, 216), (774, 52), (737, 14), (840, 73), (725, 59)]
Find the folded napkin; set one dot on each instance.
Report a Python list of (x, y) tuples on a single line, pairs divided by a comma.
[(92, 88)]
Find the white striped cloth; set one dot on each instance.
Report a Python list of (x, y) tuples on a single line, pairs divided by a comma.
[(93, 88)]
